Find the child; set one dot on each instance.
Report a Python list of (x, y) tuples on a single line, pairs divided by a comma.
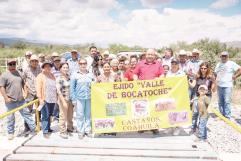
[(203, 102)]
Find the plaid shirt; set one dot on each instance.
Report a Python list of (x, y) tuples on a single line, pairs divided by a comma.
[(29, 76), (63, 87)]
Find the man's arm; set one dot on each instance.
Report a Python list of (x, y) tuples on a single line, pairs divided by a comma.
[(237, 74), (3, 92)]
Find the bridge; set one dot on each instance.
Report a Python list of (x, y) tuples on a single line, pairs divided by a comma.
[(123, 147)]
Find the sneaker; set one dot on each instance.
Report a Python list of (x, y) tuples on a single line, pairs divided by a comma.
[(10, 136), (81, 136), (63, 135), (192, 131), (24, 133), (33, 133), (46, 136), (70, 130), (50, 130)]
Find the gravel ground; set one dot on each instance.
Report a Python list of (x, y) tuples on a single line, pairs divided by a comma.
[(222, 137)]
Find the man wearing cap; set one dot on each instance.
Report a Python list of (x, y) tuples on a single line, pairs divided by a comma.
[(105, 54), (29, 76), (175, 69), (56, 72), (26, 60), (54, 55), (182, 56), (73, 62), (194, 63), (41, 59), (11, 87), (227, 71), (192, 69)]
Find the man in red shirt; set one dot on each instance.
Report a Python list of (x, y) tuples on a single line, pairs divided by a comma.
[(149, 68)]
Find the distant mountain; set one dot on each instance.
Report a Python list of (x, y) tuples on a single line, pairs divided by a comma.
[(10, 41), (236, 44)]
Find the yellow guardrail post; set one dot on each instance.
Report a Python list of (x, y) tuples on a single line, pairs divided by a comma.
[(235, 126), (37, 118)]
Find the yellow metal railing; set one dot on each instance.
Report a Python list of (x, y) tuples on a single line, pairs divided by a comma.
[(20, 108), (235, 126)]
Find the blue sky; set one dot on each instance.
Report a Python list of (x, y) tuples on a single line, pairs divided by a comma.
[(185, 4), (149, 23)]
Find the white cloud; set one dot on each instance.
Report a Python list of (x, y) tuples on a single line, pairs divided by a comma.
[(153, 3), (220, 4), (74, 21)]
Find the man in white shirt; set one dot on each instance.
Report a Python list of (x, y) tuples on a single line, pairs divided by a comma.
[(90, 58), (227, 71)]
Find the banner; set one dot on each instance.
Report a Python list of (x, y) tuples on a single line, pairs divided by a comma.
[(140, 105)]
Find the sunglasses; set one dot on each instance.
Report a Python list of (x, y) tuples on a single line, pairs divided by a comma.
[(82, 63), (12, 64), (174, 63)]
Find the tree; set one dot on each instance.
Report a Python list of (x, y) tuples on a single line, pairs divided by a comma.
[(19, 45)]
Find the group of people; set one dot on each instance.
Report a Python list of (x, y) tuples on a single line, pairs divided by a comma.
[(60, 85)]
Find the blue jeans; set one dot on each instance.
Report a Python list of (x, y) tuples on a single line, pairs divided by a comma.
[(191, 92), (203, 127), (56, 111), (83, 118), (27, 116), (224, 101), (195, 114), (46, 112)]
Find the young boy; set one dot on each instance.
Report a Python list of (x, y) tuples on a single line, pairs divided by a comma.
[(202, 103)]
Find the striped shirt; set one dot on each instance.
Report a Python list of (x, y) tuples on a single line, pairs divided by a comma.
[(55, 72)]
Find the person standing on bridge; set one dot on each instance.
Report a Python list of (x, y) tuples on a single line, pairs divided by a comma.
[(175, 71), (12, 87), (47, 95), (80, 83), (29, 75), (56, 72), (65, 105), (227, 71), (73, 62), (206, 77), (148, 69)]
